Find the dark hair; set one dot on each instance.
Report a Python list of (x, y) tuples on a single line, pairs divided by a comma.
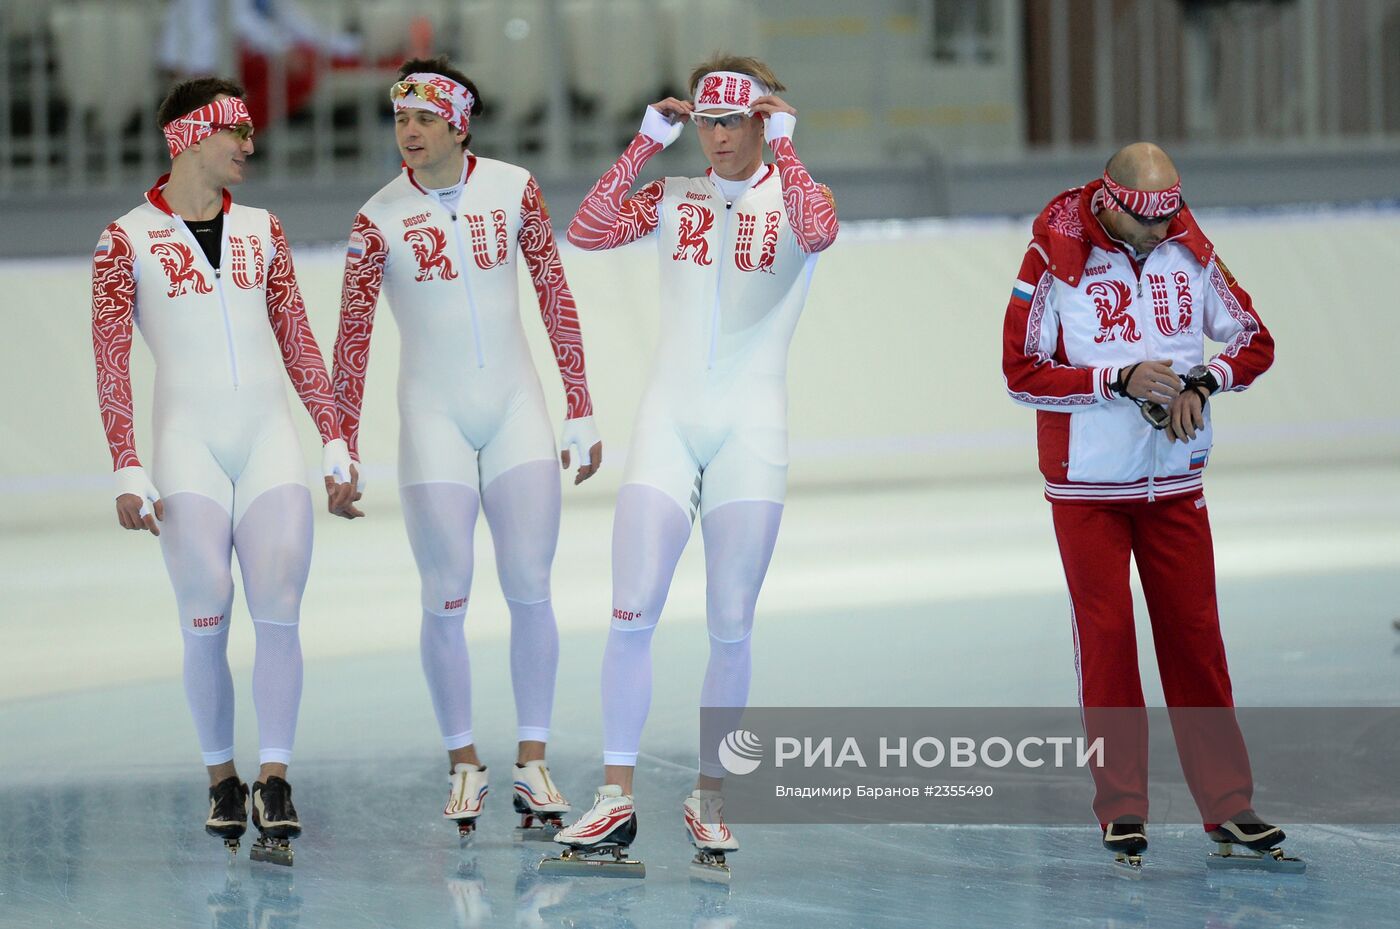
[(440, 65), (190, 95)]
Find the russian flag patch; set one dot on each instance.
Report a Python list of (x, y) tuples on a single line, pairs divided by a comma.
[(356, 251), (104, 245), (1198, 458), (1020, 290)]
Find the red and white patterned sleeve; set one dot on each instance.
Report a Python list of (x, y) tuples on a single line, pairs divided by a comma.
[(605, 219), (556, 300), (1230, 318), (1032, 360), (113, 310), (300, 354), (811, 208), (365, 261)]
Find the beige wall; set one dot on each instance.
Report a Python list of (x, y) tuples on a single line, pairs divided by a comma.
[(895, 371)]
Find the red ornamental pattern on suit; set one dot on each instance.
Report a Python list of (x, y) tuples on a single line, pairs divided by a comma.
[(768, 249), (604, 220), (359, 292), (178, 263), (113, 296), (239, 263), (429, 245), (811, 208), (1161, 305), (300, 355), (1111, 302), (481, 254), (1183, 304), (557, 308), (365, 266), (696, 223)]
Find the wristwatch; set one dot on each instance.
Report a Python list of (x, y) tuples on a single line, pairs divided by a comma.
[(1201, 378)]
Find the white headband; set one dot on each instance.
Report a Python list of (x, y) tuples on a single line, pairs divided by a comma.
[(436, 94), (727, 92)]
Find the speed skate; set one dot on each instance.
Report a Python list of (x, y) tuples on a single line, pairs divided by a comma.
[(276, 820), (704, 825), (469, 786), (1245, 843), (540, 804), (597, 844), (1127, 839)]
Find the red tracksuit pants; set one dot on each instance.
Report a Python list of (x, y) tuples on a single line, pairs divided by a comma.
[(1170, 541)]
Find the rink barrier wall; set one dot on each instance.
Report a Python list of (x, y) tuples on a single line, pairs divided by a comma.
[(895, 367)]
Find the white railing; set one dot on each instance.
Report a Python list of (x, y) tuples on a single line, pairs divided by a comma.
[(565, 80)]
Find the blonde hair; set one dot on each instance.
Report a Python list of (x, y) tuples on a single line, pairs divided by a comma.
[(723, 61)]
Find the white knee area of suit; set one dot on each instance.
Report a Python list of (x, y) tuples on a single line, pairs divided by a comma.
[(440, 518)]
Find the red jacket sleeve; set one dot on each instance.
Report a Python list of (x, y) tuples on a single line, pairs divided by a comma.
[(1230, 318), (1032, 363), (113, 309), (300, 354), (811, 208), (556, 300), (359, 295), (604, 219)]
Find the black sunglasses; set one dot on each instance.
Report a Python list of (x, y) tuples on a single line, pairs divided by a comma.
[(1145, 220)]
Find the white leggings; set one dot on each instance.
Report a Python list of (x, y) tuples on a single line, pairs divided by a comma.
[(650, 530), (522, 509), (273, 542)]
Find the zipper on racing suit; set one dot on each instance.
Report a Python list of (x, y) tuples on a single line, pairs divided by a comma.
[(467, 283), (719, 278), (218, 288)]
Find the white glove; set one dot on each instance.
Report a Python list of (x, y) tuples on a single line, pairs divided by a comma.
[(133, 480), (581, 435), (658, 128), (335, 461), (779, 126)]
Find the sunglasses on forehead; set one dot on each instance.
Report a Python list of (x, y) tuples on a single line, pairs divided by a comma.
[(1145, 220), (243, 131), (728, 121), (420, 89)]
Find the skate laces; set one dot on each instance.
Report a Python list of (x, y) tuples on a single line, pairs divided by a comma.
[(551, 792)]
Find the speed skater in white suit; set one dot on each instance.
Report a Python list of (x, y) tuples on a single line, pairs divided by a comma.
[(211, 286), (737, 247), (443, 241)]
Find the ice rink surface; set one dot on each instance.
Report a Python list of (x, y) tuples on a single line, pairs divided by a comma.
[(917, 595)]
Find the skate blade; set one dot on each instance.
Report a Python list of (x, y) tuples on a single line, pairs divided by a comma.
[(567, 865), (1128, 866), (278, 853), (710, 872), (1272, 860)]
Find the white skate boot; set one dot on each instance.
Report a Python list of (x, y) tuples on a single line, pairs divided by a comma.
[(598, 842), (704, 823), (464, 804), (540, 804)]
